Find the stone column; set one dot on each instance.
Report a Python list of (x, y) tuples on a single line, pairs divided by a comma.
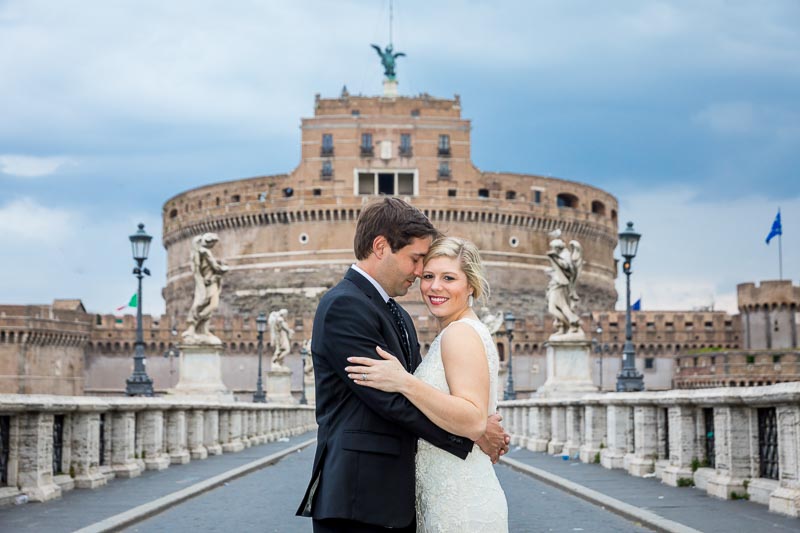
[(195, 426), (176, 436), (514, 423), (735, 443), (617, 418), (270, 424), (682, 444), (252, 427), (234, 441), (263, 426), (574, 430), (524, 430), (786, 499), (645, 430), (558, 431), (123, 444), (211, 432), (152, 433), (541, 426), (85, 459), (35, 472), (594, 432), (245, 430)]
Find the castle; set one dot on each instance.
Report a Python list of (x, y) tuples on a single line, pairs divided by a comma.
[(289, 237)]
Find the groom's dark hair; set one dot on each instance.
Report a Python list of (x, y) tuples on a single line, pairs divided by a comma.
[(395, 220)]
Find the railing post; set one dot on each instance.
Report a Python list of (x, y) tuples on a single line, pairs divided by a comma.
[(234, 440), (195, 430), (572, 446), (558, 430), (211, 431), (35, 474), (540, 418), (176, 435), (617, 426), (786, 499), (594, 427), (85, 459), (645, 429), (682, 444), (734, 444), (123, 442), (152, 435)]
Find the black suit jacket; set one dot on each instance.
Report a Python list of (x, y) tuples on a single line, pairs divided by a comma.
[(366, 439)]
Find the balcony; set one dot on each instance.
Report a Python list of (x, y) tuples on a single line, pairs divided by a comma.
[(367, 151), (444, 151), (326, 151), (406, 151)]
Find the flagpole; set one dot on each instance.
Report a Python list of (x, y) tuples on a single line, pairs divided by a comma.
[(780, 258)]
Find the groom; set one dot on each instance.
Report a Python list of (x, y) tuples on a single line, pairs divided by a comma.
[(363, 474)]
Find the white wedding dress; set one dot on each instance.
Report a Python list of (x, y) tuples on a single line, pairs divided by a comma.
[(455, 496)]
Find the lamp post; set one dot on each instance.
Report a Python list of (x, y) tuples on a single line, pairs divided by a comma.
[(139, 384), (261, 325), (303, 355), (172, 352), (509, 393), (600, 349), (629, 379)]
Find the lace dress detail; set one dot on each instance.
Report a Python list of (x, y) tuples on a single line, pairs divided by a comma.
[(455, 496)]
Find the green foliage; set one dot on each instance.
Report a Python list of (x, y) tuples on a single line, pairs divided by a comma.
[(736, 496), (71, 471), (695, 464), (746, 483), (602, 445), (597, 458), (685, 482)]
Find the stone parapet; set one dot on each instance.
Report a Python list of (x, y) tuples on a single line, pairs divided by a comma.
[(56, 443), (726, 441)]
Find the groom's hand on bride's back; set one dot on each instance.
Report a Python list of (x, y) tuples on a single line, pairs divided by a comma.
[(494, 442)]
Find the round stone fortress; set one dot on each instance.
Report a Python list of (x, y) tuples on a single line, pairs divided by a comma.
[(289, 237)]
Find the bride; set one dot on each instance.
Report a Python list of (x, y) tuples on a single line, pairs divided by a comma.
[(456, 388)]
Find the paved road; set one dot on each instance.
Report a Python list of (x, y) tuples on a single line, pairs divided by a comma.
[(267, 499)]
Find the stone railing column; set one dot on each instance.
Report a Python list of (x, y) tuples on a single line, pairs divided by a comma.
[(152, 435), (541, 426), (524, 429), (176, 436), (786, 498), (35, 471), (211, 431), (123, 444), (645, 427), (514, 424), (617, 426), (558, 431), (682, 444), (735, 442), (85, 459), (234, 441), (263, 426), (195, 434), (594, 432), (572, 446), (244, 434)]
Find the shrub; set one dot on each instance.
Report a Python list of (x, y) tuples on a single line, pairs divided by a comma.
[(597, 458), (685, 482)]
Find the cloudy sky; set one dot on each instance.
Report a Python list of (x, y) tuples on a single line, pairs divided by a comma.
[(689, 112)]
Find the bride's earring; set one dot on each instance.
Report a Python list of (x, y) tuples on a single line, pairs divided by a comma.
[(470, 300)]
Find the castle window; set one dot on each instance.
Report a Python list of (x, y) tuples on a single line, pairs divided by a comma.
[(317, 192), (511, 195), (389, 183), (709, 325), (598, 208), (367, 149), (614, 215), (444, 145), (567, 200), (405, 145), (173, 213), (451, 193), (235, 199), (444, 169), (218, 201), (483, 193), (537, 197), (415, 112), (327, 144), (355, 112), (327, 169), (649, 363)]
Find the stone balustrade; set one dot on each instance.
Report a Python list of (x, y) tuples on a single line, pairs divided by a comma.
[(49, 444), (731, 442)]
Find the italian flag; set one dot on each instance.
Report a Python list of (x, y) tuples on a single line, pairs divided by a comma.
[(132, 303)]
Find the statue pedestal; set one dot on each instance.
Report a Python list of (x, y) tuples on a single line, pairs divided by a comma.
[(201, 373), (279, 386), (569, 370), (389, 88), (310, 386)]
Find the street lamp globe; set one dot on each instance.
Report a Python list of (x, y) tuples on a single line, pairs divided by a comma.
[(509, 320), (140, 244), (629, 242), (261, 323)]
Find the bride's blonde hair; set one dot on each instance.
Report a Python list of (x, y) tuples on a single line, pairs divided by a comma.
[(468, 258)]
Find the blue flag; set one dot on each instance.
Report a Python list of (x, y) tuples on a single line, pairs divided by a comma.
[(637, 305), (776, 227)]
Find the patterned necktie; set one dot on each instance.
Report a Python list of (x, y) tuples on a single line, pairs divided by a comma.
[(401, 323)]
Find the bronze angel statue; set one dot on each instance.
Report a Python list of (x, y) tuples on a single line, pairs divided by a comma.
[(388, 57)]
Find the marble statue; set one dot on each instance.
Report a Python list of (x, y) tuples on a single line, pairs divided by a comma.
[(492, 321), (207, 272), (566, 264), (308, 366), (280, 335)]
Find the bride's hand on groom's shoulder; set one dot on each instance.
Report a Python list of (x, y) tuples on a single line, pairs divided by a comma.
[(386, 374)]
